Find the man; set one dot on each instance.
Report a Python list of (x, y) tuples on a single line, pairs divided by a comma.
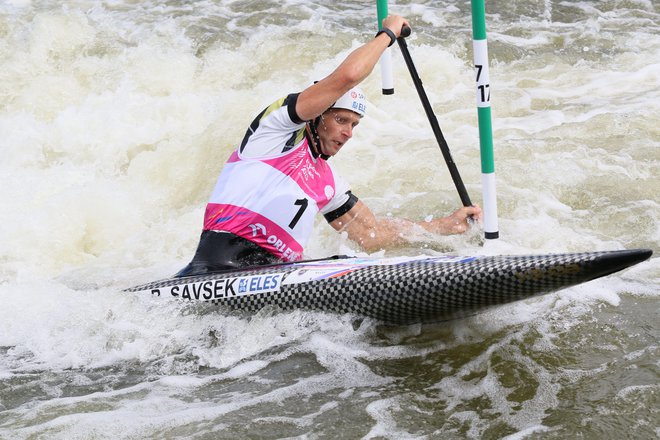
[(263, 206)]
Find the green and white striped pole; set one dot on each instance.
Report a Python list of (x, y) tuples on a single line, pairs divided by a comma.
[(485, 125), (386, 57)]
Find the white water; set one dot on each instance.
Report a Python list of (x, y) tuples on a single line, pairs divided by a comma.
[(115, 119)]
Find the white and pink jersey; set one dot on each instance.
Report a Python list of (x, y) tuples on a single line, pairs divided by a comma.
[(272, 186)]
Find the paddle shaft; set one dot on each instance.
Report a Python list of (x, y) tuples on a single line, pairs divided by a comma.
[(442, 143)]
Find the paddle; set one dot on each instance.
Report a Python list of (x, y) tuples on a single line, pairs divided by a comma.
[(453, 170)]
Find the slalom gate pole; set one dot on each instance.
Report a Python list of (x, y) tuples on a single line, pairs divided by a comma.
[(442, 143), (386, 57), (484, 117)]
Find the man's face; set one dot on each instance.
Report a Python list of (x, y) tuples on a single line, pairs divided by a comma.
[(335, 129)]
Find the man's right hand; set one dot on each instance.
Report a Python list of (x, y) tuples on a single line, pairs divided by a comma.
[(395, 23)]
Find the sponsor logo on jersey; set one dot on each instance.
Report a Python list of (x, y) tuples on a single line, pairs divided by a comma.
[(307, 171), (257, 227), (329, 192), (286, 252)]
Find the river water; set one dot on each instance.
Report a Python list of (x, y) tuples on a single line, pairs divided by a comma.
[(115, 119)]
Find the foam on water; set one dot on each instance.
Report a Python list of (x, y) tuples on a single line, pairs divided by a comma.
[(116, 118)]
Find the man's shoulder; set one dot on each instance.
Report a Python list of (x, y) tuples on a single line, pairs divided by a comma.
[(276, 130), (283, 107)]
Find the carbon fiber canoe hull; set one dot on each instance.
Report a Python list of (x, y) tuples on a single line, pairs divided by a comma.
[(402, 290)]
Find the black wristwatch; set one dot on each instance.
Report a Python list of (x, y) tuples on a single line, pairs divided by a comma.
[(389, 34)]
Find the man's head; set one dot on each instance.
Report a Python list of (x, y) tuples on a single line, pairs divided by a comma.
[(335, 126)]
